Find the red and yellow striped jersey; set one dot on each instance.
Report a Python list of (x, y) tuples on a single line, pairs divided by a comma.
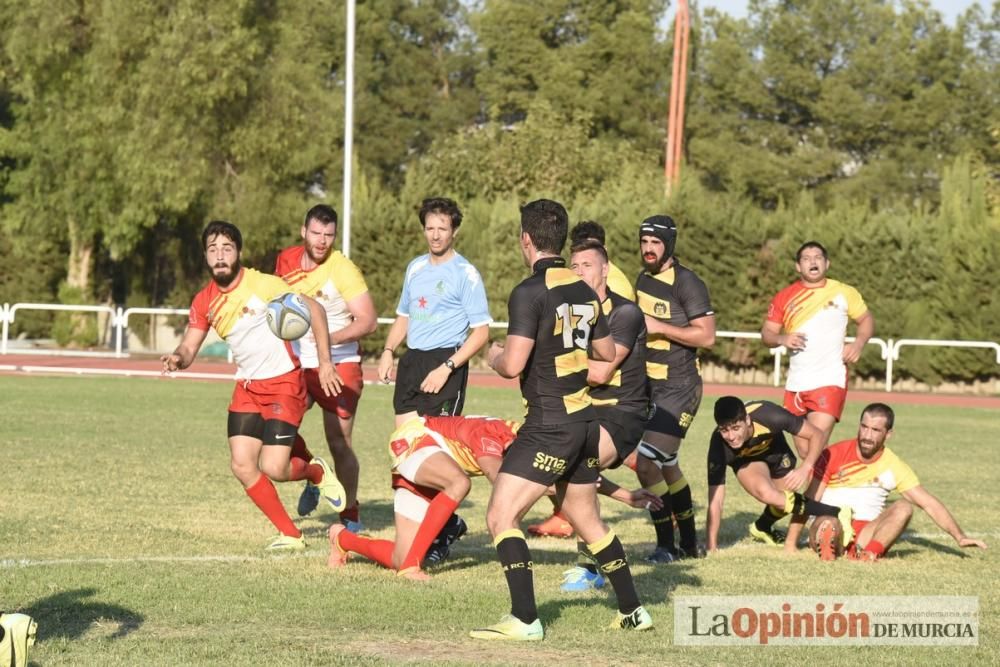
[(464, 439), (821, 313), (238, 315), (862, 486), (333, 283)]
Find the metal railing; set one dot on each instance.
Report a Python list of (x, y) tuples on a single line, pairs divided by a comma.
[(889, 349)]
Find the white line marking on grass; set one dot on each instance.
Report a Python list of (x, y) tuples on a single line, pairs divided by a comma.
[(14, 563)]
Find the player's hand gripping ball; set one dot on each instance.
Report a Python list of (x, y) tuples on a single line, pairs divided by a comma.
[(288, 317)]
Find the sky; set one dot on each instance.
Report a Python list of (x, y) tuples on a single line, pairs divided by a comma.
[(950, 9)]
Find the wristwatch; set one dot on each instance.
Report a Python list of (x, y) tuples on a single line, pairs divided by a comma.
[(450, 364)]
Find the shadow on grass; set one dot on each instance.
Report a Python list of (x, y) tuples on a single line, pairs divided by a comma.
[(900, 549), (70, 614)]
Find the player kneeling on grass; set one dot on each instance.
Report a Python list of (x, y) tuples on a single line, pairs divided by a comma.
[(269, 399), (860, 474), (433, 459), (750, 439)]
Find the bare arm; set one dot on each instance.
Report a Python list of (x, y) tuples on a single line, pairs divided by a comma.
[(866, 329), (362, 309), (929, 503), (698, 333), (396, 335), (716, 499), (771, 336), (601, 372), (509, 359), (602, 349), (185, 353), (815, 441), (797, 522), (329, 380), (437, 378), (639, 498)]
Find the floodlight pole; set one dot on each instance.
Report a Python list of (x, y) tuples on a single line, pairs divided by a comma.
[(348, 130), (678, 90)]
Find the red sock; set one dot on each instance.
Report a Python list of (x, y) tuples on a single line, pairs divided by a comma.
[(352, 513), (379, 551), (299, 466), (438, 513), (876, 548), (265, 496)]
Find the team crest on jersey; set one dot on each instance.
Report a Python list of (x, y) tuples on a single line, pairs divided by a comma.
[(786, 461), (661, 309), (439, 288)]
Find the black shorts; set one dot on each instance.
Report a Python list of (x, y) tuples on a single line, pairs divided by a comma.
[(548, 454), (413, 368), (625, 429), (780, 461), (675, 403)]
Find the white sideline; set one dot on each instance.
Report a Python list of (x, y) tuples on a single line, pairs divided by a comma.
[(16, 563)]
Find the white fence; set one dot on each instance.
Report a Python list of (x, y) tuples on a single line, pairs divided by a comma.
[(118, 320)]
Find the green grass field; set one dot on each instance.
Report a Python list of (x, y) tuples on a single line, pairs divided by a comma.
[(124, 534)]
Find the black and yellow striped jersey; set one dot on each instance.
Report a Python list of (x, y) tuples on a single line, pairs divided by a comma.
[(562, 315), (676, 296), (627, 389), (770, 423)]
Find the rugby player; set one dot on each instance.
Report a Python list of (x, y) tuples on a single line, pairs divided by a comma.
[(433, 459), (316, 270), (270, 394), (554, 319), (750, 439), (860, 473)]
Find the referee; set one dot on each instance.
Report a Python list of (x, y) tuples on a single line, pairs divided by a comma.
[(443, 297)]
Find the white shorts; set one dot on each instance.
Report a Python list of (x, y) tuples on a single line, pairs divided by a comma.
[(408, 468), (410, 505)]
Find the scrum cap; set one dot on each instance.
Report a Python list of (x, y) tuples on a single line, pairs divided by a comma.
[(663, 228)]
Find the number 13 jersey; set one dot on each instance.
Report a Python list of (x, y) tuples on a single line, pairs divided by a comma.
[(562, 314)]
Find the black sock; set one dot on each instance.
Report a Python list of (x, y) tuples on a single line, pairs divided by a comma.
[(610, 555), (796, 503), (767, 518), (683, 509), (663, 521), (584, 558), (516, 561)]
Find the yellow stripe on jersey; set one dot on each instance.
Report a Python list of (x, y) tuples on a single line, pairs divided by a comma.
[(619, 283), (655, 371), (570, 363), (652, 305), (658, 342), (557, 277), (577, 400), (464, 457), (604, 401), (616, 379)]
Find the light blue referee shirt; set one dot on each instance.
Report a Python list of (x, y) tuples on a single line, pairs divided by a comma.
[(443, 301)]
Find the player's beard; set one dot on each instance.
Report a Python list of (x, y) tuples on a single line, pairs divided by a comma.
[(654, 266), (226, 279), (869, 448), (316, 257)]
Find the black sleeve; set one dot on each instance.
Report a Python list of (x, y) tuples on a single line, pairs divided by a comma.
[(777, 418), (693, 295), (716, 461), (523, 312), (626, 322)]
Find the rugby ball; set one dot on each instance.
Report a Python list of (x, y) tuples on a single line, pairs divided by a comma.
[(288, 317), (824, 537)]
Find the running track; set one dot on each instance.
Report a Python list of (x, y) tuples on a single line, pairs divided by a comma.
[(209, 370)]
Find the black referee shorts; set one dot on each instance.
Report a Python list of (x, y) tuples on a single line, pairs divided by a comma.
[(413, 368)]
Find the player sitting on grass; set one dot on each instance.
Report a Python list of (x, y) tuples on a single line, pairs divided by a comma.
[(433, 459), (750, 439), (860, 474)]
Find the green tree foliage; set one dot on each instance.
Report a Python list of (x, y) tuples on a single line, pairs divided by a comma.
[(843, 97)]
